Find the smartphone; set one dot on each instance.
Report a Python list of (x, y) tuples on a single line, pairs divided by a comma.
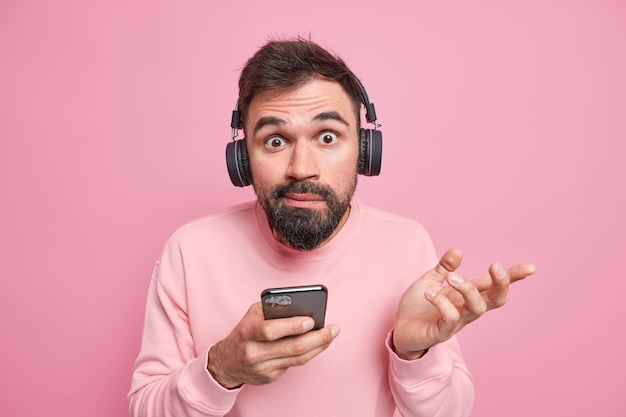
[(307, 300)]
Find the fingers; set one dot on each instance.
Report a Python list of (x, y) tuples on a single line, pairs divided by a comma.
[(449, 262), (449, 314), (476, 297), (521, 271), (474, 305), (277, 336), (275, 329), (453, 317), (299, 350), (515, 273), (462, 301), (270, 360), (257, 351), (261, 330), (500, 281), (283, 354)]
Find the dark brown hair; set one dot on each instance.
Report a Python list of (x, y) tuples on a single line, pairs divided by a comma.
[(286, 64)]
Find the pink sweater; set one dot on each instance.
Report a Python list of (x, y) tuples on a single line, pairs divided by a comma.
[(214, 268)]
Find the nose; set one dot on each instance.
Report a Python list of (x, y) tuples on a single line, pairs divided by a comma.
[(303, 163)]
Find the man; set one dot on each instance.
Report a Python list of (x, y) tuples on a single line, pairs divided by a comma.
[(398, 308)]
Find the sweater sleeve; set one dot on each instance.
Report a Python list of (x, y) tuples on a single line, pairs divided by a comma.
[(170, 379), (438, 384)]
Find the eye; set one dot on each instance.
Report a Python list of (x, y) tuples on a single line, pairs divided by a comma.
[(327, 138), (275, 142)]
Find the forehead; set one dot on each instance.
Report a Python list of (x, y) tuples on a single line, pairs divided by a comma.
[(317, 95)]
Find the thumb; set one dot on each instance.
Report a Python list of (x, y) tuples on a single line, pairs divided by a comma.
[(449, 262)]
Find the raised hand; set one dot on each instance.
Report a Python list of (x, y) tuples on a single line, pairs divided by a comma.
[(431, 312)]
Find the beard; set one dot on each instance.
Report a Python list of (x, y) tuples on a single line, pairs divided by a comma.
[(303, 228)]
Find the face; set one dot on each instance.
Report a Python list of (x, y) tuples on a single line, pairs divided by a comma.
[(303, 150)]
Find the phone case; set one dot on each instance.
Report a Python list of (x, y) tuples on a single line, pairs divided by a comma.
[(309, 300)]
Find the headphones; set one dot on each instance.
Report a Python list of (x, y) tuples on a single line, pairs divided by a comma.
[(370, 146)]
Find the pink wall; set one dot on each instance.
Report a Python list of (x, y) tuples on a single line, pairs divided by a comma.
[(504, 135)]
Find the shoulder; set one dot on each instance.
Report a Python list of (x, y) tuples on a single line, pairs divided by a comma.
[(400, 240), (374, 217), (219, 226)]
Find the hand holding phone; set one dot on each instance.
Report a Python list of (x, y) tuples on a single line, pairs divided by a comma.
[(308, 300)]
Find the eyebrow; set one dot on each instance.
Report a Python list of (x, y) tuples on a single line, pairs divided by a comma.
[(331, 115), (277, 121), (268, 121)]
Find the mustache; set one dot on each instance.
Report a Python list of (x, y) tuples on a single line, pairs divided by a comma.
[(304, 187)]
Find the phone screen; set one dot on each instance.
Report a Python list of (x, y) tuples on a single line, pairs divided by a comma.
[(307, 300)]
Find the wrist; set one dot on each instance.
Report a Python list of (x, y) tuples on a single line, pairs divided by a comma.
[(407, 355), (215, 368), (412, 355)]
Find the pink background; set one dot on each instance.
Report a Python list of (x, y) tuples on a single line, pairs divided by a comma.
[(504, 127)]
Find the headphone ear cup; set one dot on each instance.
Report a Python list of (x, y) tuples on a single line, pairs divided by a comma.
[(237, 163), (370, 152)]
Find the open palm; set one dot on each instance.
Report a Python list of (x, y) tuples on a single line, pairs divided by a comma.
[(440, 303)]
